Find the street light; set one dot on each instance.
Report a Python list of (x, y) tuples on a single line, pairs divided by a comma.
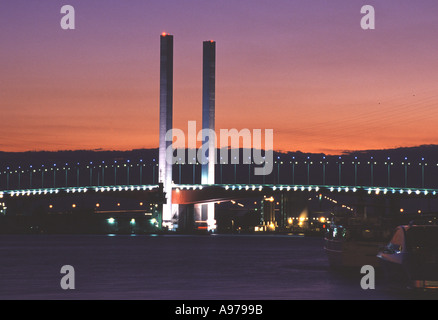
[(54, 175), (77, 174), (389, 164), (91, 173), (42, 176), (293, 162), (340, 163), (127, 165), (7, 178), (19, 177), (66, 174), (406, 164), (372, 163), (30, 176), (115, 172), (422, 164), (323, 162), (308, 162), (249, 170), (355, 162), (153, 171), (141, 171)]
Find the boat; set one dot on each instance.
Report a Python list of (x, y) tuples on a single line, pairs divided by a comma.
[(349, 247), (350, 242), (410, 259)]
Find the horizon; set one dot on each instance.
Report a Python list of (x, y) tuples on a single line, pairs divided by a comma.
[(306, 70), (345, 152)]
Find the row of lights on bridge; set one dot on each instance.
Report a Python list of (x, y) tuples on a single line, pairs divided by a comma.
[(129, 164), (370, 190)]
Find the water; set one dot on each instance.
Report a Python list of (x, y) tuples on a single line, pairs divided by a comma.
[(231, 267)]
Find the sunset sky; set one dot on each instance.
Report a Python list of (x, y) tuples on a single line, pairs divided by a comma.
[(303, 68)]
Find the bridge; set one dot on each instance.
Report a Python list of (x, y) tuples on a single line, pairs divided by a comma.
[(179, 194)]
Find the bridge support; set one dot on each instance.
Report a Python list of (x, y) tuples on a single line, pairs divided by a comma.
[(206, 211), (166, 124)]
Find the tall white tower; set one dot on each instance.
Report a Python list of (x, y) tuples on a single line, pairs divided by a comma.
[(166, 121)]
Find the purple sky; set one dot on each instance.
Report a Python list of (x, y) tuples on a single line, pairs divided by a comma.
[(303, 68)]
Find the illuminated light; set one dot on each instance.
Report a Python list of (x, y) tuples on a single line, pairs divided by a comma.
[(281, 188), (118, 204), (322, 219), (419, 211), (111, 220), (346, 189), (163, 34), (126, 188), (120, 188), (409, 191), (402, 210), (289, 220), (385, 191), (138, 188), (418, 192), (302, 188), (295, 188), (253, 188), (132, 221), (354, 189), (247, 187), (51, 206), (97, 205), (227, 187), (309, 189), (288, 188), (426, 192), (332, 189), (132, 188), (401, 191), (141, 203), (260, 188), (240, 187), (274, 188), (377, 191), (73, 205)]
